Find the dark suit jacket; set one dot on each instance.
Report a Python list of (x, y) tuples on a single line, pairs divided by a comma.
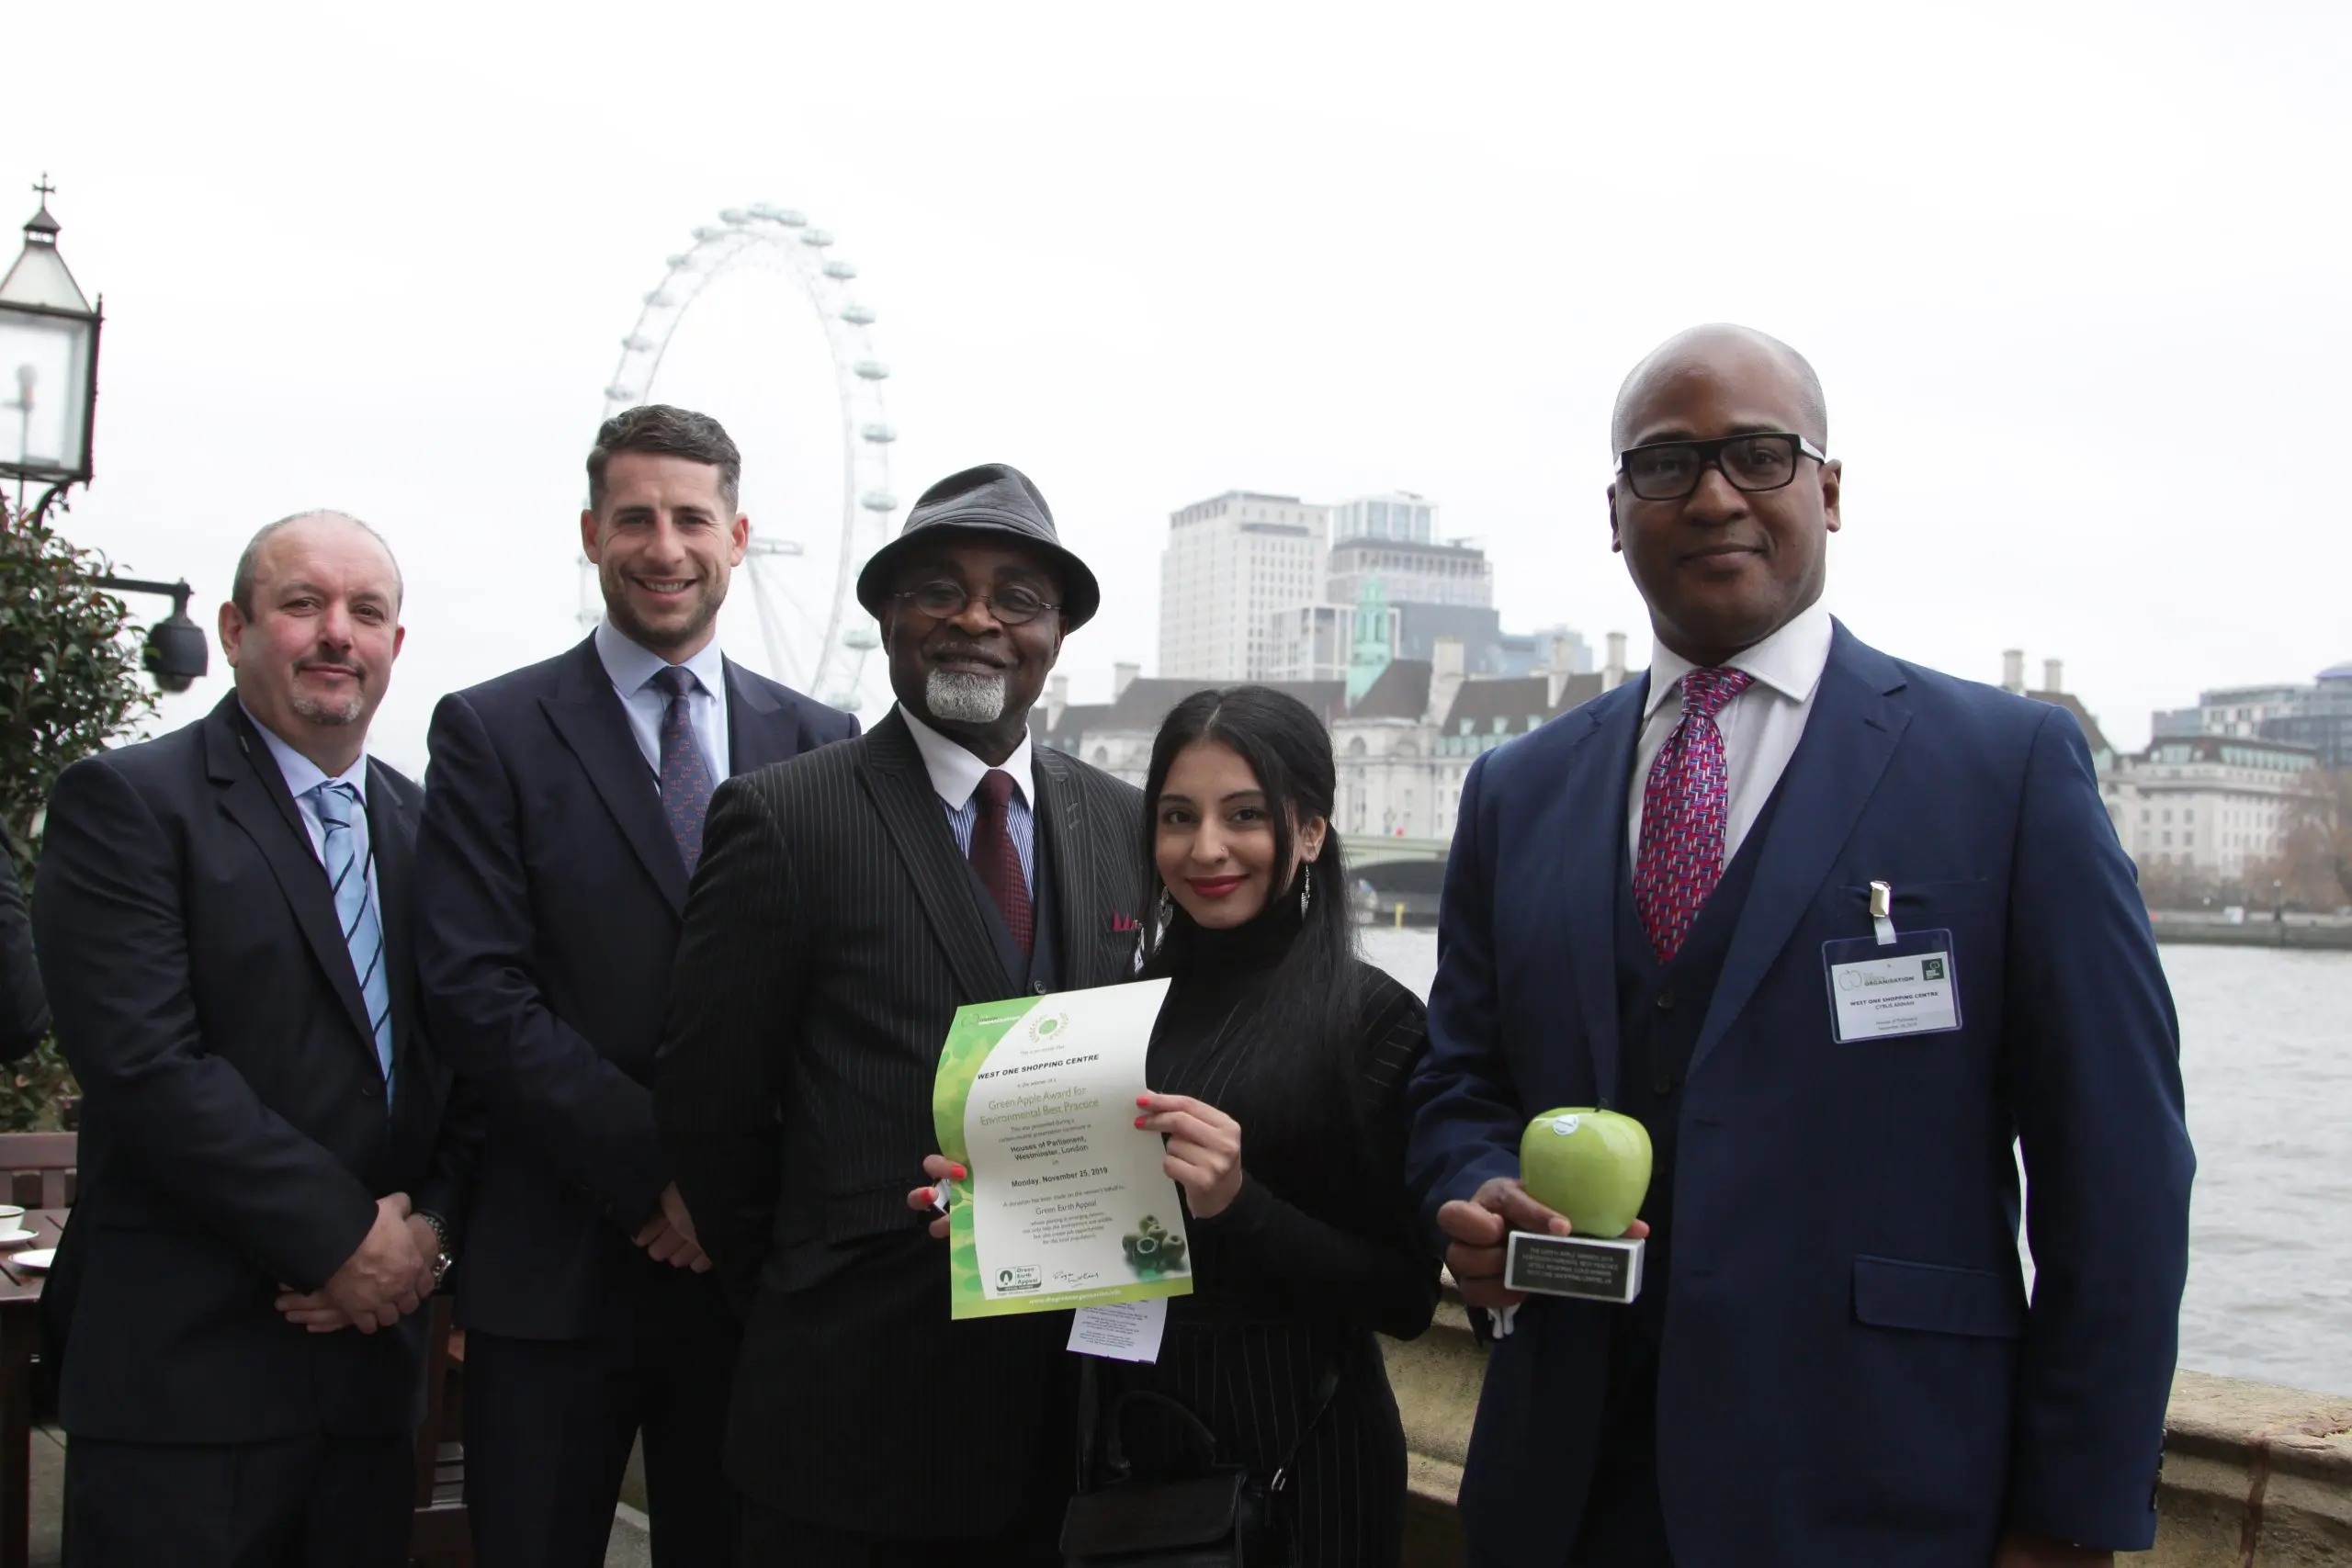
[(550, 889), (1850, 1373), (24, 1009), (834, 930), (234, 1133)]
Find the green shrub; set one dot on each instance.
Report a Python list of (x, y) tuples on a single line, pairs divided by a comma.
[(71, 684)]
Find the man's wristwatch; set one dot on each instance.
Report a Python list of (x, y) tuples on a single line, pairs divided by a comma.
[(443, 1261)]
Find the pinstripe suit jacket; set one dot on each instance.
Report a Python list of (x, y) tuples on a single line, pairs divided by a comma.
[(833, 931)]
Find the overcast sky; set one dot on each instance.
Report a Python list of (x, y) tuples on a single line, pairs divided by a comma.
[(2074, 276)]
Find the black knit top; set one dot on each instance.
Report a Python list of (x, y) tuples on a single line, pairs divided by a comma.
[(1322, 1228)]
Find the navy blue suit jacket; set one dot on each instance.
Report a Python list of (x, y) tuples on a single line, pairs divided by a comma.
[(549, 893), (1850, 1372), (234, 1132)]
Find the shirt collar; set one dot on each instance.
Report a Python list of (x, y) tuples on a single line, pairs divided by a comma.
[(1789, 661), (629, 665), (301, 775), (956, 773)]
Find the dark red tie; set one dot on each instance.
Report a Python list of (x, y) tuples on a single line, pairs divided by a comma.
[(1685, 813), (996, 859)]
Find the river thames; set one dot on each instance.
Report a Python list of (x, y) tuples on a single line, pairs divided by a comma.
[(2265, 1048)]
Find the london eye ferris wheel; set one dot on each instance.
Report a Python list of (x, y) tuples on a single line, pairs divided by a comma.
[(816, 636)]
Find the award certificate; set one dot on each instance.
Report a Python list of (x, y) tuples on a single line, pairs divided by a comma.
[(1068, 1204)]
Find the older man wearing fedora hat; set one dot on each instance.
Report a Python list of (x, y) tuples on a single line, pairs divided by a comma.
[(849, 902)]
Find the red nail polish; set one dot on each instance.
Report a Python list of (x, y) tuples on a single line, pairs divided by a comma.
[(1144, 1101), (929, 1196), (958, 1172), (1140, 1119)]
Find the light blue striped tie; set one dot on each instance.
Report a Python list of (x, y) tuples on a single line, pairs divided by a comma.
[(346, 855)]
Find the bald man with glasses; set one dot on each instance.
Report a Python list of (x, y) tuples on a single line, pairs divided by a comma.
[(1841, 932)]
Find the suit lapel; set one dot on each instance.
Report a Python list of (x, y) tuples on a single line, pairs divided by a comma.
[(587, 714), (254, 797), (911, 814), (760, 729), (391, 835), (1850, 736), (1593, 866), (1079, 913)]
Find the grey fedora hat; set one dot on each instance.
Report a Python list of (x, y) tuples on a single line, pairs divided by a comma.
[(994, 498)]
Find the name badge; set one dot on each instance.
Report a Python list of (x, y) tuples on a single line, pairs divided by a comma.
[(1893, 983)]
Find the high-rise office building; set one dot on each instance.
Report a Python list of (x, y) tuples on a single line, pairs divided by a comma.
[(1231, 563), (1398, 515), (1413, 572), (1261, 587)]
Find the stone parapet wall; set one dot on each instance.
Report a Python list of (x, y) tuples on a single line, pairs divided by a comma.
[(2256, 1476)]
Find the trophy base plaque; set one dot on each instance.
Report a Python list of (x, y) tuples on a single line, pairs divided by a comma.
[(1590, 1269)]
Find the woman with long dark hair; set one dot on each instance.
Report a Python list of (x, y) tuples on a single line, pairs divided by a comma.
[(1279, 1065)]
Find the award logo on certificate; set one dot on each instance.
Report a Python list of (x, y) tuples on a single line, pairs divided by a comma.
[(1068, 1204)]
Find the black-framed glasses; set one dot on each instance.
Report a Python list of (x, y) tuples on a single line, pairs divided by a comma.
[(1014, 604), (1669, 470)]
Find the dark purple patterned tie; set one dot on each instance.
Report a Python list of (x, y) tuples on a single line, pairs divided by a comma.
[(685, 772), (998, 860), (1684, 808)]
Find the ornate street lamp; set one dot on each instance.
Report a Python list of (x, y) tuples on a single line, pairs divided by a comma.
[(49, 366), (49, 358)]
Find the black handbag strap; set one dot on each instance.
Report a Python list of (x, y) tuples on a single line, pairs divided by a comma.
[(1116, 1452), (1327, 1386)]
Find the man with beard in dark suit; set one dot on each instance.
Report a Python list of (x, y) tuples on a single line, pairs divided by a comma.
[(563, 818), (224, 924), (850, 903)]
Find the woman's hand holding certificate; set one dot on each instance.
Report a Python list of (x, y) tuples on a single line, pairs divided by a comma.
[(1203, 1149)]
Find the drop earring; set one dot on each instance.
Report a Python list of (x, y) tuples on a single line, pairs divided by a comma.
[(1166, 917), (1305, 890)]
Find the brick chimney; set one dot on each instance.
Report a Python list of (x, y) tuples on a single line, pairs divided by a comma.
[(2052, 675), (1557, 671), (1612, 674), (1446, 666), (2013, 670), (1122, 677)]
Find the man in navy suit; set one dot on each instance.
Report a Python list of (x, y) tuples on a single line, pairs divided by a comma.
[(270, 1178), (1651, 904), (563, 819)]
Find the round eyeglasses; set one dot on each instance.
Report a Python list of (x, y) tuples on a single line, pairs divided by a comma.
[(1012, 605), (1669, 470)]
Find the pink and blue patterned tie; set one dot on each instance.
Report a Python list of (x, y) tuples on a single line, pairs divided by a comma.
[(685, 773), (1684, 806)]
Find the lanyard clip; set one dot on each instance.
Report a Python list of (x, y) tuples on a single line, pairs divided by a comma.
[(1882, 912)]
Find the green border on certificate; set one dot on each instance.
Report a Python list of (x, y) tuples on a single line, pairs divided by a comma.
[(1068, 1200)]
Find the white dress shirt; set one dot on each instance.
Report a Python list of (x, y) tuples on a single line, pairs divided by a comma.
[(631, 670), (955, 775), (1760, 727), (303, 778)]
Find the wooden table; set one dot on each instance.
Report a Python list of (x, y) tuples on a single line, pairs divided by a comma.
[(19, 1333)]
